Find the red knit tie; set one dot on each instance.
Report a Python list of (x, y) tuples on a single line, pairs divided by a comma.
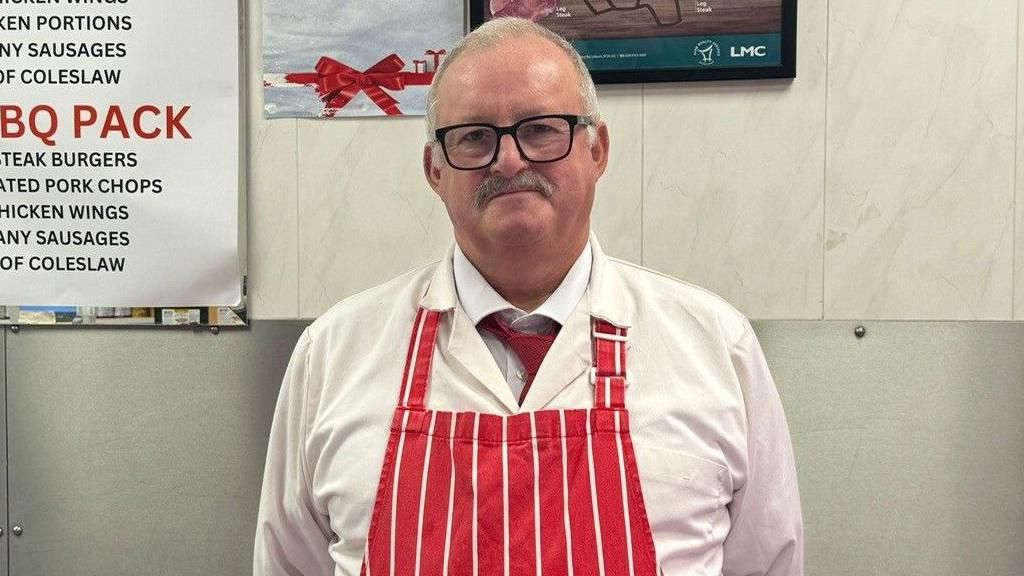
[(530, 348)]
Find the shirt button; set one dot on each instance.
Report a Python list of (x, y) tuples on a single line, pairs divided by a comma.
[(520, 374)]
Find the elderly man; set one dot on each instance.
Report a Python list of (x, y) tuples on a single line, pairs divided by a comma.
[(528, 405)]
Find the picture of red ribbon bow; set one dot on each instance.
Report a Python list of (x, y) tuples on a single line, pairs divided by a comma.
[(337, 83)]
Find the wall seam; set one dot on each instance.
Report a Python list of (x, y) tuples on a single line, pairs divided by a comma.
[(643, 171), (824, 163), (298, 234), (1016, 163)]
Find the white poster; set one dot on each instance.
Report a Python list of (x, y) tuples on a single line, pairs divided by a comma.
[(119, 153), (354, 57)]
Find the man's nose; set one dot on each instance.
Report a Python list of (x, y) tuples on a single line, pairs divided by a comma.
[(509, 161)]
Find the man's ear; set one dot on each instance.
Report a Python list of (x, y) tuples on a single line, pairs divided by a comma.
[(599, 149), (430, 171)]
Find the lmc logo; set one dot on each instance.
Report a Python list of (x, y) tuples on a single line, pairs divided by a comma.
[(748, 51)]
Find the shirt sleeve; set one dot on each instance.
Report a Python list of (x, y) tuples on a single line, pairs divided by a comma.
[(292, 536), (766, 537)]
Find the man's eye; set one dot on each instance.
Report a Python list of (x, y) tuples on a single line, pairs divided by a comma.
[(539, 128), (475, 136)]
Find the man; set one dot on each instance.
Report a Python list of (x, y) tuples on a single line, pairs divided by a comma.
[(418, 431)]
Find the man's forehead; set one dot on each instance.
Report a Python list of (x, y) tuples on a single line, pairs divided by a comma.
[(532, 75), (514, 54)]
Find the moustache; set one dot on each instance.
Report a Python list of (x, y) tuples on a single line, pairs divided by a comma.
[(496, 185)]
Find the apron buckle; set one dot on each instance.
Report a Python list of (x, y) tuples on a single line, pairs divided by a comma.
[(624, 377)]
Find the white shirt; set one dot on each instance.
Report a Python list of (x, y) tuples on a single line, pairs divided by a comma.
[(713, 450), (479, 299)]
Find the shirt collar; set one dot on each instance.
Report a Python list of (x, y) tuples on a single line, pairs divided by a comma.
[(606, 290), (479, 299)]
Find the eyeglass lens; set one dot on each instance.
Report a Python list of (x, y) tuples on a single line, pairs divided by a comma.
[(540, 140)]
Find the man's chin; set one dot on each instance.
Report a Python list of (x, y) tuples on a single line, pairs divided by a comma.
[(519, 230)]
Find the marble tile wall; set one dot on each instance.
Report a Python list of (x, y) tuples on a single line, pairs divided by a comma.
[(365, 210), (920, 158), (618, 204), (272, 219), (1018, 291), (880, 184), (733, 181)]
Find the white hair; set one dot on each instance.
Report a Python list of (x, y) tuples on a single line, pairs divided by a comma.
[(490, 35)]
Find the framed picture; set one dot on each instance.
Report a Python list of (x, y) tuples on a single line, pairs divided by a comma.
[(666, 40)]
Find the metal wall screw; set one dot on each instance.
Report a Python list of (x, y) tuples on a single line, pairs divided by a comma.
[(860, 331), (15, 328), (17, 530), (214, 330)]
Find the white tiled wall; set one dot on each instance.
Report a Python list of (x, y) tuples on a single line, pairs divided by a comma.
[(273, 226), (1018, 308), (880, 184), (618, 206), (366, 213), (920, 159), (733, 181)]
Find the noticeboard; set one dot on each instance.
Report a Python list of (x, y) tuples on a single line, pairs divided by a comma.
[(120, 163)]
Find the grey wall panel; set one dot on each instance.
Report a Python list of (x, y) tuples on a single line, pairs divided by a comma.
[(139, 451), (909, 444)]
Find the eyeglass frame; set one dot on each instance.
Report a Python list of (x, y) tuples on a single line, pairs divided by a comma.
[(574, 120)]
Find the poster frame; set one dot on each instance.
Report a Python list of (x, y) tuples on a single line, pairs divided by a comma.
[(686, 71)]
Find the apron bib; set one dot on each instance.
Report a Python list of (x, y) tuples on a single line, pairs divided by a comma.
[(553, 492)]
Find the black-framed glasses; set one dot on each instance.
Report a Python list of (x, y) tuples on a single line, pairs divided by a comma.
[(546, 138)]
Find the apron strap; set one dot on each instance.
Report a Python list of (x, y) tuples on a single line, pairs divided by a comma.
[(608, 374), (419, 359)]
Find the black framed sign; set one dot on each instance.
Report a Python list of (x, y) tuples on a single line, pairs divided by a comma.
[(666, 40)]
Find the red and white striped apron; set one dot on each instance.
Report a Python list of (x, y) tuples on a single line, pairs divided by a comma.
[(553, 493)]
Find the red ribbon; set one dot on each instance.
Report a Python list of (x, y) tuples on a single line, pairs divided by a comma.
[(337, 83)]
